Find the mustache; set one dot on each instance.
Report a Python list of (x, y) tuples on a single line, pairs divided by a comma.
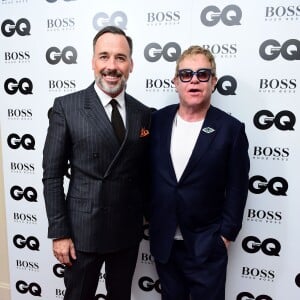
[(114, 73)]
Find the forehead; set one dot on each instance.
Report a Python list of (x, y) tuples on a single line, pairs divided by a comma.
[(112, 43), (195, 60)]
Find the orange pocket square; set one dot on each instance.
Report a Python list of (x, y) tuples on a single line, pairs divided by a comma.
[(144, 132)]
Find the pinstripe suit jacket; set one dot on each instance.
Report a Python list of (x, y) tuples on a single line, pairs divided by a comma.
[(103, 207)]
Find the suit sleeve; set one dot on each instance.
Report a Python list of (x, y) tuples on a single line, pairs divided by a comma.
[(55, 159), (236, 186)]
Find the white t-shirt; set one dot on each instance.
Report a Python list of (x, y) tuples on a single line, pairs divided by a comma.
[(183, 140)]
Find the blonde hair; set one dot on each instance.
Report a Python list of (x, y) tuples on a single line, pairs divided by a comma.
[(194, 50)]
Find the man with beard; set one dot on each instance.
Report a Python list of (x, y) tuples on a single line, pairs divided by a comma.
[(100, 219)]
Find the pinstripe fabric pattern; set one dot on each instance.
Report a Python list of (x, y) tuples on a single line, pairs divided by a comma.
[(103, 207)]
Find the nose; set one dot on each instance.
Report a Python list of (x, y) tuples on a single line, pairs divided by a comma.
[(111, 63)]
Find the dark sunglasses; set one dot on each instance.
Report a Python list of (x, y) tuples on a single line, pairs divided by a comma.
[(202, 75)]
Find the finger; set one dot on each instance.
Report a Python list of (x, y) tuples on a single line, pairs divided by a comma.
[(72, 252)]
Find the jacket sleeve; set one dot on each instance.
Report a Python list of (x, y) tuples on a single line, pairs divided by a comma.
[(236, 186), (55, 160)]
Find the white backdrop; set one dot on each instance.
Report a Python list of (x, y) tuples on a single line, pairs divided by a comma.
[(46, 49)]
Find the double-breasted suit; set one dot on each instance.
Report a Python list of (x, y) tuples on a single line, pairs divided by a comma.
[(208, 201), (103, 208)]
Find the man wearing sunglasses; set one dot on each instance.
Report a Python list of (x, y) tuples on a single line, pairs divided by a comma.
[(200, 167)]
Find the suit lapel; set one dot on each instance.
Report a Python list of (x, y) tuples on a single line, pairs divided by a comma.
[(97, 116), (165, 142), (207, 135)]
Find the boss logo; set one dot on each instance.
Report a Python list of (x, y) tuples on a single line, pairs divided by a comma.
[(260, 215), (27, 141), (274, 84), (21, 27), (284, 120), (274, 152), (62, 84), (270, 246), (32, 288), (147, 284), (226, 50), (22, 167), (19, 113), (261, 274), (271, 49), (154, 51), (23, 264), (25, 218), (230, 15), (249, 296), (68, 55), (118, 18), (61, 23), (161, 16), (29, 193), (59, 293), (16, 56), (31, 242), (159, 84), (12, 86), (102, 276), (147, 258), (226, 85), (277, 186), (282, 11)]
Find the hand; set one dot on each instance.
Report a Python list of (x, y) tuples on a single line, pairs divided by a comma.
[(226, 242), (64, 251)]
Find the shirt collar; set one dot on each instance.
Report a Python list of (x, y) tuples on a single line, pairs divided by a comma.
[(105, 99)]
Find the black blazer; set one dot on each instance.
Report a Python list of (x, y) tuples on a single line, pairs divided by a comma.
[(209, 199), (103, 207)]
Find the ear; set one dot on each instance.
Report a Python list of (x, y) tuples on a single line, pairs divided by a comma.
[(93, 63), (131, 67), (214, 83)]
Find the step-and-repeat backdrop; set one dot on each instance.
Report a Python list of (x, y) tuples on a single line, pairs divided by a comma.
[(46, 50)]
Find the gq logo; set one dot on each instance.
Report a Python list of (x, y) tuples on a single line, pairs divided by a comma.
[(284, 120), (270, 246), (31, 242), (29, 193), (100, 296), (52, 1), (27, 141), (59, 270), (147, 284), (68, 55), (102, 19), (226, 85), (297, 280), (21, 27), (146, 232), (271, 49), (249, 296), (277, 186), (33, 288), (230, 15), (170, 52), (12, 86)]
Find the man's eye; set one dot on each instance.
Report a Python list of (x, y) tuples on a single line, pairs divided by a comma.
[(121, 58)]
